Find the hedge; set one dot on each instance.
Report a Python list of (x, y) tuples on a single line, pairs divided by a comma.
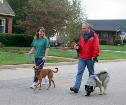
[(117, 41), (124, 41), (103, 42), (17, 40)]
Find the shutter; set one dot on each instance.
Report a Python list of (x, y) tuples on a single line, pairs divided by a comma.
[(6, 26)]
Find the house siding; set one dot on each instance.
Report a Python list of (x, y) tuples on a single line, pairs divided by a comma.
[(7, 13), (110, 41)]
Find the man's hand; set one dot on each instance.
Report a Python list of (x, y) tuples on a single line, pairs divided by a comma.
[(95, 59)]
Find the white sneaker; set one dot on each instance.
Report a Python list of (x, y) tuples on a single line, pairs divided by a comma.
[(33, 85), (45, 80)]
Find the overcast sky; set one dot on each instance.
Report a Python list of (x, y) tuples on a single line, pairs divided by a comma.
[(105, 9)]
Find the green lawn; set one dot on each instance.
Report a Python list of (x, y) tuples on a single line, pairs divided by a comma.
[(8, 58), (110, 55), (108, 47), (11, 55)]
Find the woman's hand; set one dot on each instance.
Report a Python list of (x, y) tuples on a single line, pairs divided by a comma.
[(44, 58), (29, 53), (46, 53), (32, 50)]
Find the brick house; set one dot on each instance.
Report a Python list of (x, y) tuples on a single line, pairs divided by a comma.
[(108, 29), (6, 17)]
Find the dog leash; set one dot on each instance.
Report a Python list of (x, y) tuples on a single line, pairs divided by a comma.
[(37, 62), (31, 60), (41, 63)]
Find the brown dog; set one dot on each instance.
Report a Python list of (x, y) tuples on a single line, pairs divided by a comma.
[(41, 73)]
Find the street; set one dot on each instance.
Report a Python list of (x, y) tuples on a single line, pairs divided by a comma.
[(15, 86)]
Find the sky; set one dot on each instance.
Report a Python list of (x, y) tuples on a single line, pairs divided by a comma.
[(105, 9)]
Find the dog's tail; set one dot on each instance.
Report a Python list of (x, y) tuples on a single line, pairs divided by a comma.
[(104, 70), (56, 70)]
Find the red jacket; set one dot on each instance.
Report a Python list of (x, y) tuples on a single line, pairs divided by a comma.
[(89, 48)]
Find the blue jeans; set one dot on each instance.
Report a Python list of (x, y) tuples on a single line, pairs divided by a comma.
[(37, 64), (82, 63)]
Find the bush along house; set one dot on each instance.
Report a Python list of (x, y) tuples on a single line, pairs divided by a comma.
[(109, 30), (6, 17)]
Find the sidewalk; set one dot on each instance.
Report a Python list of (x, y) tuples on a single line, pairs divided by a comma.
[(74, 59), (115, 51)]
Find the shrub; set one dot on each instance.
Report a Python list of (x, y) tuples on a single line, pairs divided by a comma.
[(1, 45), (17, 40), (124, 41), (118, 41), (103, 42)]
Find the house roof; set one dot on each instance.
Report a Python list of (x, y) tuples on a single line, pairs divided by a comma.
[(5, 9), (108, 25)]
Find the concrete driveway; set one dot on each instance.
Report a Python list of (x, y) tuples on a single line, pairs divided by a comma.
[(15, 83)]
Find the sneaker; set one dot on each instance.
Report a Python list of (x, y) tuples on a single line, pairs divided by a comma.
[(45, 80), (44, 83), (74, 89), (33, 85)]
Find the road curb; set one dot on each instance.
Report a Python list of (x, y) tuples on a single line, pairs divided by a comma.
[(31, 65)]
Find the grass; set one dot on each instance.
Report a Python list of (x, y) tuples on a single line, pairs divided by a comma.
[(108, 47), (52, 51), (7, 58), (110, 55), (12, 55)]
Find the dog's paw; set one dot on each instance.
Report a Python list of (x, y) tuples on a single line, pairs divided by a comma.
[(104, 93), (47, 89), (100, 94), (87, 94)]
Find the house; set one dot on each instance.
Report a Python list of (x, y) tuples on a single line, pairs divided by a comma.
[(6, 17), (109, 29)]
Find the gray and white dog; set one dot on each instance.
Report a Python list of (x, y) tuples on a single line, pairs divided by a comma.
[(97, 80)]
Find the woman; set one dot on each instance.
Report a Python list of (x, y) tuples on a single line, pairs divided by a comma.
[(40, 47)]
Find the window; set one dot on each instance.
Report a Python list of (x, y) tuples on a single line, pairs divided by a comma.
[(98, 33), (2, 25), (104, 35)]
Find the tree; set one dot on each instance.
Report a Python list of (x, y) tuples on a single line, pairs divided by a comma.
[(52, 15), (75, 22), (56, 16), (17, 5)]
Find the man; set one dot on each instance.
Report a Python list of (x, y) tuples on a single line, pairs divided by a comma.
[(88, 51)]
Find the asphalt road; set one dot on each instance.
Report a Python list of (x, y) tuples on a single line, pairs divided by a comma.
[(15, 83)]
